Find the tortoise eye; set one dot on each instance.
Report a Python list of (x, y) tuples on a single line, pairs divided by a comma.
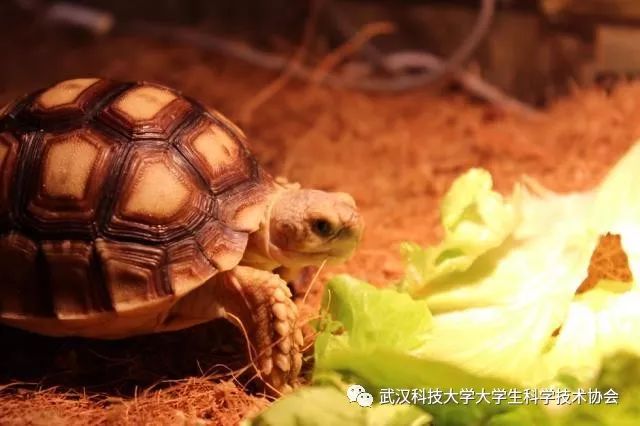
[(322, 227)]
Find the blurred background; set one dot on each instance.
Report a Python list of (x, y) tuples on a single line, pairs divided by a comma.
[(386, 100), (531, 49)]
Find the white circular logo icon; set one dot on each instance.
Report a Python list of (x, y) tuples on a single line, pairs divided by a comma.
[(357, 393), (365, 399), (353, 391)]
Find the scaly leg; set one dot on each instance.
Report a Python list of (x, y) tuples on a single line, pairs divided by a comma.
[(262, 303)]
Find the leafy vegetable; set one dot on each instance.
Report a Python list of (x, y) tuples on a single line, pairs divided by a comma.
[(620, 373), (475, 220), (499, 306), (383, 329), (375, 318), (328, 406)]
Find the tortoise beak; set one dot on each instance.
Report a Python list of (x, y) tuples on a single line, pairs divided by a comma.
[(353, 228), (350, 218), (347, 239)]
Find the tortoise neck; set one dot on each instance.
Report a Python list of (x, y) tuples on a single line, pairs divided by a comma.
[(261, 252)]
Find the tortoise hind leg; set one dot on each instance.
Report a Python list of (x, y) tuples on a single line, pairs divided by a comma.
[(261, 301)]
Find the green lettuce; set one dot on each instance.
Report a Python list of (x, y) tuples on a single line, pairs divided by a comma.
[(328, 406), (379, 335), (621, 373), (475, 219), (506, 304)]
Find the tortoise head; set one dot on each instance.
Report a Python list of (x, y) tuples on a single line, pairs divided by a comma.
[(310, 226)]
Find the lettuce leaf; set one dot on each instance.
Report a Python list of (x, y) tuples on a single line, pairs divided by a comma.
[(328, 406), (381, 331), (374, 318), (621, 373), (475, 221), (505, 303), (375, 339)]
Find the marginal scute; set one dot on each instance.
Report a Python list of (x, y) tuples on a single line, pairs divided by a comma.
[(20, 293), (4, 150), (64, 93), (248, 216), (4, 110), (8, 157), (69, 267), (132, 273), (8, 148), (187, 266), (144, 102), (68, 166), (223, 246), (228, 123), (244, 207)]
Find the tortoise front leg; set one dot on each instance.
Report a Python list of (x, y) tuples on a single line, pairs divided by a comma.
[(259, 302), (271, 320)]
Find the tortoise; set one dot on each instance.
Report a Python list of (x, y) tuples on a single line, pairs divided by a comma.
[(127, 208)]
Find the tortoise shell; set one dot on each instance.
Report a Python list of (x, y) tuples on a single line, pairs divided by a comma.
[(115, 196)]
